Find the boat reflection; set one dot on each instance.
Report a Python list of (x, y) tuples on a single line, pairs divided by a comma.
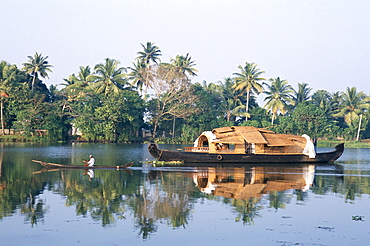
[(247, 182)]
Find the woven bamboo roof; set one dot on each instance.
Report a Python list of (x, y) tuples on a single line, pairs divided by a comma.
[(249, 134)]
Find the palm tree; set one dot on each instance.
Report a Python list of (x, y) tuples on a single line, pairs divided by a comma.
[(322, 99), (137, 75), (81, 80), (233, 107), (108, 77), (70, 81), (8, 74), (227, 90), (184, 65), (37, 66), (78, 82), (278, 96), (247, 81), (150, 53), (230, 103), (352, 105), (303, 93)]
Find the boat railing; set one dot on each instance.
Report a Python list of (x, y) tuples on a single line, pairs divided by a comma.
[(196, 149)]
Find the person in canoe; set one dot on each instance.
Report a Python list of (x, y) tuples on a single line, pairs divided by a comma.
[(90, 162)]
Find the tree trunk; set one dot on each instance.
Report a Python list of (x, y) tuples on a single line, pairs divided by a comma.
[(173, 129), (272, 120), (247, 105), (33, 81), (155, 129), (359, 127), (146, 82), (2, 115)]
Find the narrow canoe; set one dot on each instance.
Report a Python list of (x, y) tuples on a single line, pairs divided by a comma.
[(55, 166)]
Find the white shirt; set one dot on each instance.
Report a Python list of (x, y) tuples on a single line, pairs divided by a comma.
[(91, 162)]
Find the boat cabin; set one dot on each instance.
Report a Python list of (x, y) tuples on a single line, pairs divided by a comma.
[(247, 139)]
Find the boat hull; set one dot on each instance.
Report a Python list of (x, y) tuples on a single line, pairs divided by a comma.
[(202, 157)]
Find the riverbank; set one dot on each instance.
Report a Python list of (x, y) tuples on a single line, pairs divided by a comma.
[(347, 144), (321, 143)]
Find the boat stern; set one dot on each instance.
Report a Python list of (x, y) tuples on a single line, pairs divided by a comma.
[(338, 152)]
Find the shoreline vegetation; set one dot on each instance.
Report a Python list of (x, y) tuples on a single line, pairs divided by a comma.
[(320, 143), (161, 101), (347, 144)]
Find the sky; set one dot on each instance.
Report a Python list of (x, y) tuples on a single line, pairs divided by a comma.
[(324, 43)]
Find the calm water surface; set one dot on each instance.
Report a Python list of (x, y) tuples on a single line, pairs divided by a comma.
[(213, 205)]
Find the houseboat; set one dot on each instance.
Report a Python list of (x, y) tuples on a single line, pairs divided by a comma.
[(247, 144)]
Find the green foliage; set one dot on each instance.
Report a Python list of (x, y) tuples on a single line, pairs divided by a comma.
[(309, 119), (120, 116), (105, 107), (108, 78), (56, 125), (114, 118), (285, 125), (254, 123), (278, 97), (248, 81), (37, 66), (352, 104)]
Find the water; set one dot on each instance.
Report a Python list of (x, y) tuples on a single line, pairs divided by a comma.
[(252, 204)]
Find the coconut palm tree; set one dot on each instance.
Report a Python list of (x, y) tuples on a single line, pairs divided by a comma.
[(322, 99), (36, 66), (233, 107), (248, 81), (227, 90), (302, 94), (184, 65), (150, 53), (137, 75), (107, 78), (76, 84), (231, 102), (70, 81), (278, 97), (327, 101), (352, 105), (82, 79), (8, 74)]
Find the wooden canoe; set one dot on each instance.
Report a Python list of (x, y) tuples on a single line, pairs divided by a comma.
[(58, 166)]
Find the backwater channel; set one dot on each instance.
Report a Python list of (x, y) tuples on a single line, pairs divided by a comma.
[(155, 205)]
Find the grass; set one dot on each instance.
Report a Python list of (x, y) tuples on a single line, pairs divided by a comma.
[(347, 144)]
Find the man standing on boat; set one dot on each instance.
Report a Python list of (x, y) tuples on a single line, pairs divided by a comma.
[(90, 162)]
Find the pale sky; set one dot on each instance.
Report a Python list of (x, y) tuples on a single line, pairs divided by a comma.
[(325, 43)]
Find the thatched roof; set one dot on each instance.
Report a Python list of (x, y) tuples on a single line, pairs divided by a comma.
[(249, 134)]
